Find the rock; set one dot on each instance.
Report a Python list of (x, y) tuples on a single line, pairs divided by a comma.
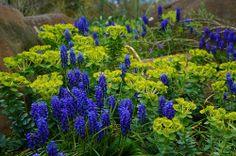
[(16, 35), (51, 19)]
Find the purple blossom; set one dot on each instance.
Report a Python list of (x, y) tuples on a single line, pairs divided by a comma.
[(128, 28), (145, 19), (111, 102), (52, 149), (178, 13), (127, 60), (43, 131), (67, 35), (92, 122), (32, 141), (80, 58), (142, 115), (125, 120), (161, 105), (80, 127), (164, 79), (159, 12), (38, 110), (64, 56), (102, 82), (168, 110), (164, 24), (99, 95), (72, 57)]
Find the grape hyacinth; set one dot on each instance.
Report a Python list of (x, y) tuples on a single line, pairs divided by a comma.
[(128, 28), (159, 12), (111, 102), (32, 141), (102, 82), (105, 118), (145, 20), (67, 35), (142, 115), (80, 58), (161, 105), (43, 131), (178, 12), (38, 110), (82, 25), (64, 56), (71, 79), (80, 127), (92, 122), (85, 79), (71, 44), (56, 107), (99, 97), (225, 96), (125, 120), (233, 88), (126, 103), (127, 60), (168, 110), (164, 24), (229, 81), (64, 120), (36, 154), (52, 149), (123, 70), (164, 79), (72, 57)]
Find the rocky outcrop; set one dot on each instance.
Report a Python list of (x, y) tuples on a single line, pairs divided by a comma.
[(16, 35), (52, 19)]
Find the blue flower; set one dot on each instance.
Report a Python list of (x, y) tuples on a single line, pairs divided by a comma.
[(225, 96), (64, 56), (64, 120), (126, 103), (230, 50), (145, 19), (101, 131), (63, 92), (125, 120), (127, 60), (111, 102), (71, 79), (123, 70), (178, 13), (142, 115), (52, 149), (43, 131), (202, 43), (82, 25), (38, 110), (77, 74), (159, 12), (222, 45), (67, 35), (32, 141), (72, 57), (213, 50), (85, 79), (91, 106), (102, 82), (164, 24), (56, 107), (208, 47), (164, 79), (96, 42), (168, 110), (233, 88), (80, 127), (70, 104), (229, 81), (128, 28), (105, 118), (92, 122), (206, 32), (71, 44), (36, 154), (99, 95), (81, 101), (80, 58), (95, 35), (161, 105)]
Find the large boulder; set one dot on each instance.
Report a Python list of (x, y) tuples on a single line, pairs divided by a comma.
[(52, 19), (16, 35)]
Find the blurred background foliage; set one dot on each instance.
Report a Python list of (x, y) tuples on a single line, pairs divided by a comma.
[(92, 9)]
